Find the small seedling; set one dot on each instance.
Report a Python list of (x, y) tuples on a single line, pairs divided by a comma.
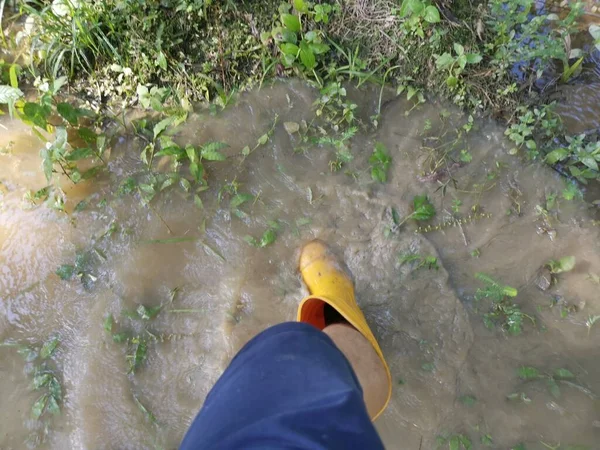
[(430, 262), (380, 162), (504, 311), (468, 400), (266, 239), (487, 441), (455, 442), (422, 210)]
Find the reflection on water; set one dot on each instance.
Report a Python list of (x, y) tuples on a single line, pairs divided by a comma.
[(217, 291)]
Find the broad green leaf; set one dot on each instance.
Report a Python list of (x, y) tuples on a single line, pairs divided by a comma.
[(191, 153), (590, 162), (68, 112), (411, 7), (528, 373), (307, 56), (87, 135), (108, 323), (487, 440), (210, 151), (444, 60), (431, 14), (240, 199), (139, 355), (509, 291), (147, 313), (595, 31), (40, 380), (161, 60), (198, 202), (37, 114), (300, 6), (454, 443), (185, 184), (378, 174), (49, 346), (65, 272), (54, 388), (565, 264), (213, 155), (557, 155), (289, 49), (39, 406), (263, 139), (459, 49), (465, 441), (289, 36), (474, 58), (197, 171), (52, 406), (79, 153), (553, 387), (468, 400), (291, 22), (423, 209), (161, 126), (563, 373), (268, 238), (120, 337), (319, 49)]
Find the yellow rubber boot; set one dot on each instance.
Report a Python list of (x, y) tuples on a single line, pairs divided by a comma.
[(328, 283)]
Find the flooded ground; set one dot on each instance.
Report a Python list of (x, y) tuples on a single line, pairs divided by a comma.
[(452, 374)]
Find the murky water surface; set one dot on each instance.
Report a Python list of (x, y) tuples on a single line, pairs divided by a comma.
[(452, 374)]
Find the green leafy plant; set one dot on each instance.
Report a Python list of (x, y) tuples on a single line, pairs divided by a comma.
[(504, 311), (454, 442), (551, 378), (422, 210), (454, 64), (380, 162), (301, 48), (581, 157), (266, 239), (430, 262), (418, 14), (45, 378)]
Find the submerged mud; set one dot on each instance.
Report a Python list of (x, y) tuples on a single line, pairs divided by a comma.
[(217, 291)]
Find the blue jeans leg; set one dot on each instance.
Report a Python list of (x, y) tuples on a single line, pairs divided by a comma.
[(288, 388)]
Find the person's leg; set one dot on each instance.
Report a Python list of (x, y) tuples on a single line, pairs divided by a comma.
[(293, 385), (365, 363), (289, 387)]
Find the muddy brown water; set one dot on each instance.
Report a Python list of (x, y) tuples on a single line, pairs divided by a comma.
[(428, 323)]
